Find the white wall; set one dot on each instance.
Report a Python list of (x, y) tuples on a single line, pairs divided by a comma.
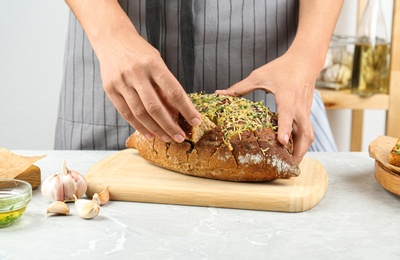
[(32, 36)]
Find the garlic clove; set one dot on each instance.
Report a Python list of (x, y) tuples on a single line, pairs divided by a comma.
[(69, 186), (87, 209), (96, 198), (104, 196), (57, 208), (52, 188), (80, 183)]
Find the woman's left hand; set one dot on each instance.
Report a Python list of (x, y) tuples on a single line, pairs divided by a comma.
[(293, 86)]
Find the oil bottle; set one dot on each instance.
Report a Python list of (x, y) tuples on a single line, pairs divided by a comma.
[(370, 73)]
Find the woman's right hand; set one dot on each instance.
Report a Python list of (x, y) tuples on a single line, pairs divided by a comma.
[(134, 75), (144, 91)]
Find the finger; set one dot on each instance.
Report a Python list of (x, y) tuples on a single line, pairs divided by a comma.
[(303, 138), (124, 110), (174, 94), (154, 115), (247, 85), (146, 107), (239, 89), (144, 113), (285, 126), (173, 111)]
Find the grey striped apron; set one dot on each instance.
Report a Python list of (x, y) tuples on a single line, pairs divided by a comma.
[(207, 45)]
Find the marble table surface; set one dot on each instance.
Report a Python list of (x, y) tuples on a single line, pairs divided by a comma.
[(357, 219)]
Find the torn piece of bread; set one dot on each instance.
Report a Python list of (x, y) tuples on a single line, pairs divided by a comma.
[(195, 133)]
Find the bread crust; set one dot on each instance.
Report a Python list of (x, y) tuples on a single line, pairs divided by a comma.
[(394, 155), (252, 155)]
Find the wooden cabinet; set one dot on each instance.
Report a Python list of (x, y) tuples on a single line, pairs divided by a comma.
[(343, 99)]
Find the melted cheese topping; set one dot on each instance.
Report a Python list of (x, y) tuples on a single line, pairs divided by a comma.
[(233, 114)]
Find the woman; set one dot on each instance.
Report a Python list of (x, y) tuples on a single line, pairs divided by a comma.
[(148, 54)]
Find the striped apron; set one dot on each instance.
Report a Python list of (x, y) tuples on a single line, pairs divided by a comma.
[(207, 45)]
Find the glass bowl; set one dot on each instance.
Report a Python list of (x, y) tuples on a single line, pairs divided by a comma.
[(15, 195), (337, 70)]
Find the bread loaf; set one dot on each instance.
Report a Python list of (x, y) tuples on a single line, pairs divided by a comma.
[(237, 141), (394, 156)]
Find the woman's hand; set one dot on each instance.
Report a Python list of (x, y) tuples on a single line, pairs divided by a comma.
[(134, 76), (291, 77), (144, 91), (293, 86)]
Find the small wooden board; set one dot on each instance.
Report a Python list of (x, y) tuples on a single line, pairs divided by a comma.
[(130, 178), (31, 175)]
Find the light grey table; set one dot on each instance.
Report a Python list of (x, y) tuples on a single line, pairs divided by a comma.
[(357, 219)]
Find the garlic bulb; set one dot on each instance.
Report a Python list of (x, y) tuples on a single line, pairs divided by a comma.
[(342, 56), (337, 74), (88, 209), (63, 186), (57, 208)]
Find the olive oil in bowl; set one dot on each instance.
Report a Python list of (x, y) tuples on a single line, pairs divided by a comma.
[(7, 218), (15, 195)]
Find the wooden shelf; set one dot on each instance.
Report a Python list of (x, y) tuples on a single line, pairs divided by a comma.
[(343, 99)]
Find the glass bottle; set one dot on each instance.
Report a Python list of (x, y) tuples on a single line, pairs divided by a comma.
[(371, 53)]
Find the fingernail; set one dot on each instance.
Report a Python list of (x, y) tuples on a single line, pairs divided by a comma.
[(196, 122), (166, 138), (149, 136), (286, 137), (179, 138)]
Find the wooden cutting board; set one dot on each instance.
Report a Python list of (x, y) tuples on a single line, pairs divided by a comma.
[(130, 178)]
